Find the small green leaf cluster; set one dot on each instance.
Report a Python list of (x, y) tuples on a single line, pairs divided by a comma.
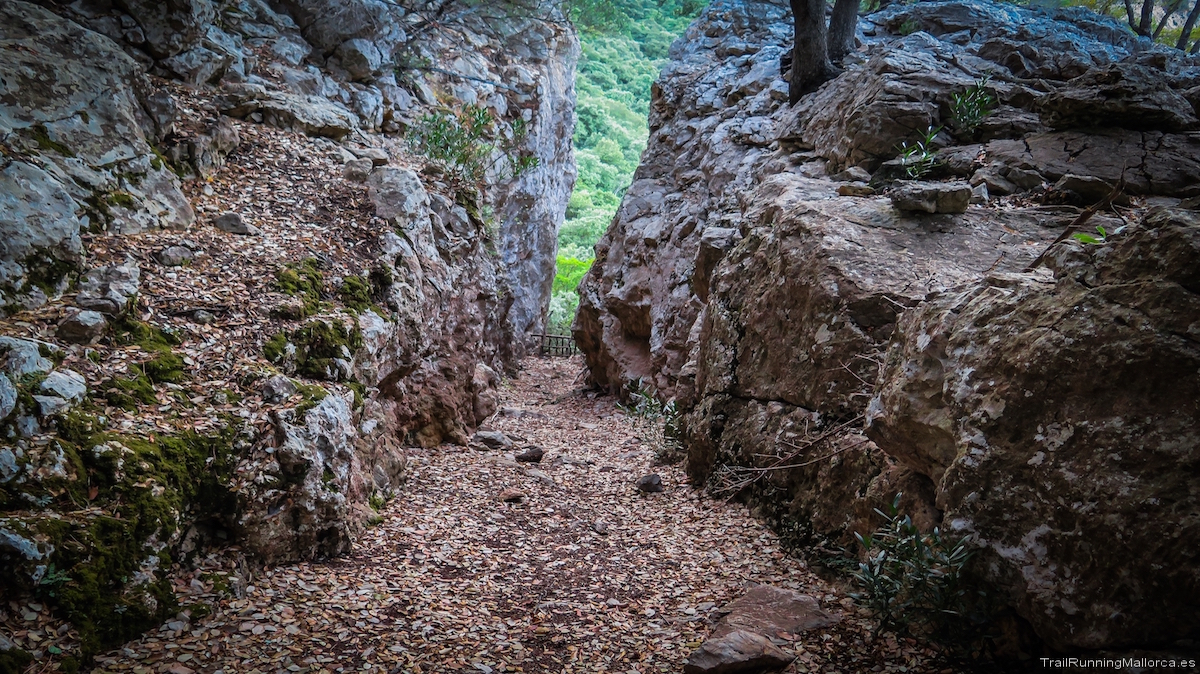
[(911, 579), (657, 423), (920, 158), (969, 108), (1100, 238), (463, 143)]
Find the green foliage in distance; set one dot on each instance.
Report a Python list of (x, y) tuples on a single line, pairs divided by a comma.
[(624, 46), (564, 301)]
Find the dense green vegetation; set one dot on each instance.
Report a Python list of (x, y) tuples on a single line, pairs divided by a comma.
[(625, 44)]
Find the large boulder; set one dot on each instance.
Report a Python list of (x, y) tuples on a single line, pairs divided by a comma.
[(300, 504), (79, 109), (798, 315), (170, 26), (1061, 434)]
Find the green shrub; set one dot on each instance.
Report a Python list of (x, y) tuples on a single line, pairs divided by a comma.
[(463, 144), (909, 579), (920, 158), (656, 422), (969, 108)]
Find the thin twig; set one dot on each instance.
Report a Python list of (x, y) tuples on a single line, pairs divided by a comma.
[(1080, 221)]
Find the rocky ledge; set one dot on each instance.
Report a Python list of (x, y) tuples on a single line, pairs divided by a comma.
[(841, 323)]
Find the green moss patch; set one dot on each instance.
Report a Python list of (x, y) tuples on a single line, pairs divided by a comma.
[(276, 347), (355, 293), (129, 393), (14, 661), (302, 280), (317, 346), (125, 503), (164, 365), (48, 273), (41, 136)]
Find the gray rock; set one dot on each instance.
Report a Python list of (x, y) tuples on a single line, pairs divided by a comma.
[(1006, 440), (649, 484), (82, 327), (171, 27), (493, 440), (233, 223), (378, 156), (531, 455), (308, 509), (277, 389), (66, 384), (737, 652), (199, 65), (49, 406), (59, 75), (174, 256), (855, 189), (24, 356), (8, 398), (922, 197), (1127, 95), (109, 290), (360, 58), (307, 114), (399, 196), (291, 49), (357, 170), (1082, 191), (853, 174)]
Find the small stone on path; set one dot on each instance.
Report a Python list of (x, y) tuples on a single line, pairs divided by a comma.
[(233, 223), (511, 495), (174, 256), (82, 327), (737, 652), (649, 484), (531, 455), (493, 440)]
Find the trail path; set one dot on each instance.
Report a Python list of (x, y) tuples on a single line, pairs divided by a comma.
[(583, 575)]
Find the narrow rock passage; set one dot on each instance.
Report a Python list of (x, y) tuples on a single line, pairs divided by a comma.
[(584, 574)]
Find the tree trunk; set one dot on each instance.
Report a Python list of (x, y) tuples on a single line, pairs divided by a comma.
[(1190, 23), (810, 59), (842, 25), (1147, 18)]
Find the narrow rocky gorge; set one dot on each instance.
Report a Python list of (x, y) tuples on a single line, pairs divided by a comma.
[(267, 394), (837, 330)]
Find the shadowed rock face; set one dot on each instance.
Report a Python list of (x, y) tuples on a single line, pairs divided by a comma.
[(875, 351), (1060, 427)]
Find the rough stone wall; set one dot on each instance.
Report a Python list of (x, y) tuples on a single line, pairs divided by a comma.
[(120, 119), (769, 270)]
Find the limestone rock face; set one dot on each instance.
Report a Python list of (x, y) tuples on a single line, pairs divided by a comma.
[(315, 471), (1054, 421), (710, 116), (1030, 414), (94, 150), (77, 108)]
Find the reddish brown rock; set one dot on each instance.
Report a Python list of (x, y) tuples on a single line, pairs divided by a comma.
[(737, 652)]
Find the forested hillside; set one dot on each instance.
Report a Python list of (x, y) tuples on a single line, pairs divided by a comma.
[(624, 47)]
